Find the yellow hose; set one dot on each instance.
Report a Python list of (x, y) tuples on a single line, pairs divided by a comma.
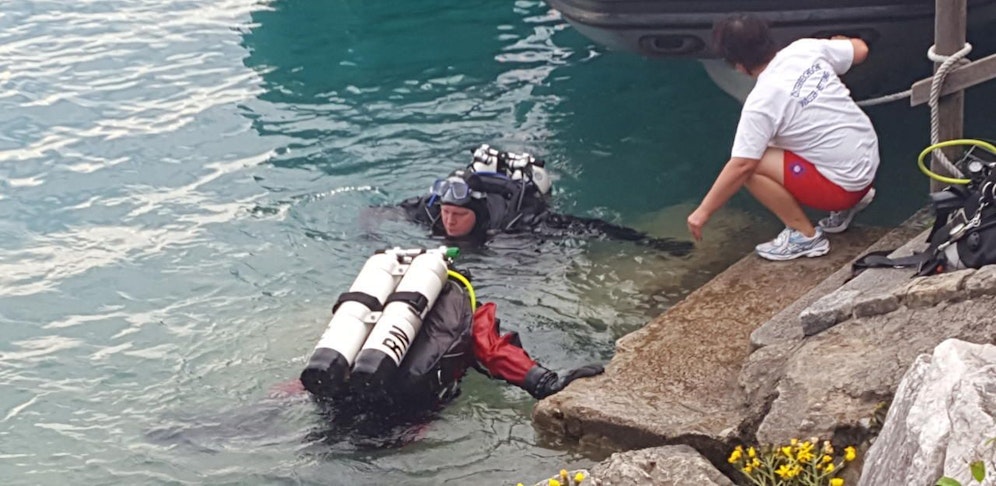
[(466, 283), (950, 143)]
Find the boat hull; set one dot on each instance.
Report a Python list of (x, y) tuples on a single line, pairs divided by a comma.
[(897, 32)]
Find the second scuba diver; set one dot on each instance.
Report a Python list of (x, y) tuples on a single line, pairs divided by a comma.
[(429, 330), (502, 192)]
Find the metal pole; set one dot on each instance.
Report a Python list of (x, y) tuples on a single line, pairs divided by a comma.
[(949, 37)]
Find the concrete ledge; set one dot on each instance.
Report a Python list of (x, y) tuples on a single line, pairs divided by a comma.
[(675, 380)]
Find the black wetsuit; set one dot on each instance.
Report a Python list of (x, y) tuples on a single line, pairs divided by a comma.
[(511, 206)]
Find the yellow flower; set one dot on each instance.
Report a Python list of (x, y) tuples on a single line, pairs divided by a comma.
[(554, 482), (836, 482), (794, 441), (578, 478), (751, 453), (756, 462), (787, 451), (787, 472), (563, 475), (804, 456), (830, 468), (747, 469), (736, 454), (849, 453), (827, 458), (520, 484)]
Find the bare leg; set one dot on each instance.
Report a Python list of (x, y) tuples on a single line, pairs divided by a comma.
[(767, 185)]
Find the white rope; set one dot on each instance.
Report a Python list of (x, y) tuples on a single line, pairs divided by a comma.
[(886, 99), (947, 62)]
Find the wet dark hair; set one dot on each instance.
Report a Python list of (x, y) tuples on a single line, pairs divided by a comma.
[(744, 39)]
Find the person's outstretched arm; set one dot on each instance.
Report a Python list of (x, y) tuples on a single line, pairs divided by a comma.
[(502, 357), (581, 226)]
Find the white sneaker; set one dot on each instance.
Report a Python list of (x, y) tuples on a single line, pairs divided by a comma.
[(838, 221), (791, 244)]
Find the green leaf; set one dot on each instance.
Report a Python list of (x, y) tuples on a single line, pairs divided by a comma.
[(946, 481), (978, 470)]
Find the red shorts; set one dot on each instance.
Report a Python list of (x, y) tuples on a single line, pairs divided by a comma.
[(810, 188)]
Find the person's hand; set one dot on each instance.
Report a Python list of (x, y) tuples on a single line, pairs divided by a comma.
[(541, 382), (696, 221)]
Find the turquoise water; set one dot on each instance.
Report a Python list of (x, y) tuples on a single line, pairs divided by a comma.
[(180, 191)]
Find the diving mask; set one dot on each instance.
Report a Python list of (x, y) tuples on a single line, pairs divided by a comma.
[(454, 190)]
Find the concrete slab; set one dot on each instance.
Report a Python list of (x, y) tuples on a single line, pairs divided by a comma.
[(675, 380)]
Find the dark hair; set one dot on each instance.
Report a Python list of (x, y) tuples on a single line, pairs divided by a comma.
[(744, 39)]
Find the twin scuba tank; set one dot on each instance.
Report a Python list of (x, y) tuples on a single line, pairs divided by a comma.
[(374, 323), (515, 166)]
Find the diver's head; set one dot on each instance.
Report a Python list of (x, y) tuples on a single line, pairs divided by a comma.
[(462, 209), (458, 221)]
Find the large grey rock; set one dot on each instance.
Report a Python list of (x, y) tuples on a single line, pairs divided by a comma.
[(658, 466), (942, 414), (834, 381)]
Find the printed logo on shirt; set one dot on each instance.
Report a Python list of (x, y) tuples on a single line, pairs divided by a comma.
[(796, 168), (817, 71)]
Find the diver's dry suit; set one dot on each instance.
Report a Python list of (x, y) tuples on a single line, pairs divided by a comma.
[(454, 338), (504, 205)]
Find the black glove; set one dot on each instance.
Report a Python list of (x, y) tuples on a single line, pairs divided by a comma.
[(541, 382)]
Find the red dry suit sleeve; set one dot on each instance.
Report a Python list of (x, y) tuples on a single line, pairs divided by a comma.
[(499, 354)]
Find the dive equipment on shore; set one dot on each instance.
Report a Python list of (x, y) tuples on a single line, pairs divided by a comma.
[(382, 284), (964, 231)]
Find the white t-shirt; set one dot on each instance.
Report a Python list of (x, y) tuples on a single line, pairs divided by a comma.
[(799, 104)]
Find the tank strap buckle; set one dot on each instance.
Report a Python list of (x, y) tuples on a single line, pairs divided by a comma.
[(416, 300), (364, 298)]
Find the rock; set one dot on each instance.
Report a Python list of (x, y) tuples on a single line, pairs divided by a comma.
[(835, 380), (982, 282), (658, 466), (941, 416), (928, 291), (875, 304), (829, 310), (784, 326)]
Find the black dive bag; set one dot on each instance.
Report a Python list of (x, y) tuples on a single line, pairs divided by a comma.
[(964, 232)]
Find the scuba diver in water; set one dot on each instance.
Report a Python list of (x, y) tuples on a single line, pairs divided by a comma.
[(403, 336), (503, 192)]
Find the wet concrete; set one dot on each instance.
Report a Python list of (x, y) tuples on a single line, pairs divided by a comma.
[(675, 380)]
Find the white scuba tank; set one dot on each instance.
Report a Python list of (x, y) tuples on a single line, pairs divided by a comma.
[(401, 320), (351, 323), (525, 165), (485, 159), (515, 166), (541, 179)]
